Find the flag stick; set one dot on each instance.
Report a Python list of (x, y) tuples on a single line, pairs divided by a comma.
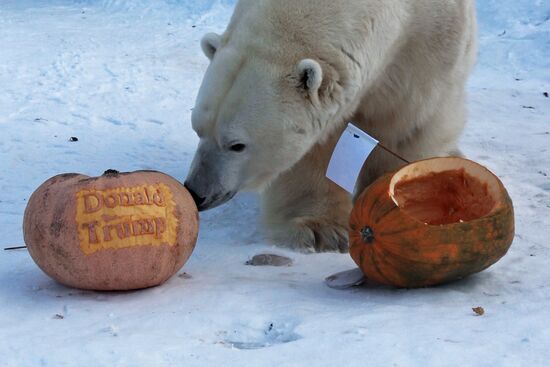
[(393, 153)]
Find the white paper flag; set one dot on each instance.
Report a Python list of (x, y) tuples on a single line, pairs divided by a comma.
[(350, 153)]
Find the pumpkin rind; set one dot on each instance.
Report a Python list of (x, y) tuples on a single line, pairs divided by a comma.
[(136, 257), (405, 252)]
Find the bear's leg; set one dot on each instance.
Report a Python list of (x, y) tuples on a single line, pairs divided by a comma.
[(436, 136), (381, 162), (304, 210)]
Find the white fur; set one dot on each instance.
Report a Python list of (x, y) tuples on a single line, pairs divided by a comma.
[(395, 68)]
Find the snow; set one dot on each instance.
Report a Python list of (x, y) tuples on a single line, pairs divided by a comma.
[(122, 76)]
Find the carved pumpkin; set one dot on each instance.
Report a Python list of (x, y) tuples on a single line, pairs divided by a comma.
[(119, 231), (431, 222)]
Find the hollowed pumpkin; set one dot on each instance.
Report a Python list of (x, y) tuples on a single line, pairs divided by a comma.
[(119, 231), (431, 222)]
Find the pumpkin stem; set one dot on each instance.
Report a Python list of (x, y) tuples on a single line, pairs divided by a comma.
[(111, 173), (367, 234)]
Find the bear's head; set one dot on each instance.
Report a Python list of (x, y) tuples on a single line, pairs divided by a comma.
[(259, 110)]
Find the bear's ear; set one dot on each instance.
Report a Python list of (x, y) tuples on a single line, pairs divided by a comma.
[(210, 43), (310, 75)]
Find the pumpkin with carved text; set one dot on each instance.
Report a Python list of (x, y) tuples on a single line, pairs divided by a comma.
[(118, 231), (431, 222)]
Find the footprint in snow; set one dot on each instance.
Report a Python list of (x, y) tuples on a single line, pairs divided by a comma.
[(247, 337)]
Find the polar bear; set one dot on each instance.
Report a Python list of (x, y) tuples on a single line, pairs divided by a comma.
[(287, 75)]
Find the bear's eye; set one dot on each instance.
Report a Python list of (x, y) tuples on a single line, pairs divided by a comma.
[(237, 147)]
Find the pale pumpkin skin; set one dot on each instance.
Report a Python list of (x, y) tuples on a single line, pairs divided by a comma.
[(393, 248), (51, 232)]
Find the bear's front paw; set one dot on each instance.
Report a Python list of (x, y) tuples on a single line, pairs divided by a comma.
[(311, 237)]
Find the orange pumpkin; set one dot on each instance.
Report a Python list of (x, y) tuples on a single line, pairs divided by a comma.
[(431, 222), (119, 231)]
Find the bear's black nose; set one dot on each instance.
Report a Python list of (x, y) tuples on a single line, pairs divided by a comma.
[(198, 200)]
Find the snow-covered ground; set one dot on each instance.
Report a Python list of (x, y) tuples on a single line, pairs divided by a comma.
[(122, 76)]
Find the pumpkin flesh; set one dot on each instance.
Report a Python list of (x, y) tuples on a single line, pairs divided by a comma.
[(444, 197)]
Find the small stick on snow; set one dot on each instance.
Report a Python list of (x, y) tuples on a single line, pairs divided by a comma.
[(14, 248)]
